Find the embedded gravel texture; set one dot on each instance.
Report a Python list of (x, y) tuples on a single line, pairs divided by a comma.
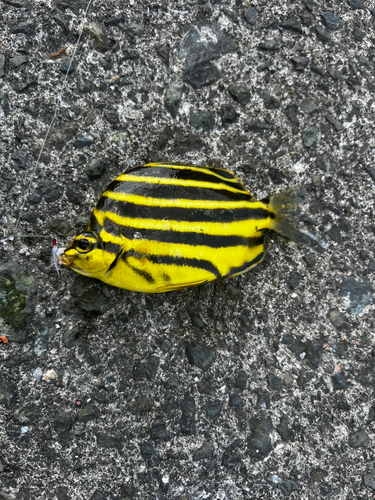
[(261, 386)]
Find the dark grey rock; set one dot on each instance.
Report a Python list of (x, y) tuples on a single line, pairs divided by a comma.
[(152, 367), (331, 21), (314, 353), (358, 34), (75, 196), (200, 355), (107, 441), (292, 24), (231, 456), (369, 478), (309, 4), (259, 442), (71, 337), (147, 451), (241, 380), (19, 159), (337, 125), (159, 432), (257, 126), (60, 135), (337, 319), (164, 138), (187, 420), (304, 377), (111, 21), (309, 136), (8, 392), (163, 52), (189, 142), (61, 227), (30, 217), (41, 339), (358, 292), (96, 168), (205, 451), (65, 66), (196, 318), (84, 85), (88, 296), (284, 428), (83, 141), (235, 400), (228, 114), (2, 65), (274, 383), (294, 280), (308, 106), (359, 439), (19, 4), (50, 191), (201, 74), (263, 400), (131, 54), (18, 294), (17, 61), (63, 421), (334, 233), (323, 36), (371, 266), (310, 259), (98, 33), (142, 403), (300, 62), (203, 121), (272, 103), (198, 48), (25, 85), (357, 4), (25, 27), (251, 15), (240, 93), (339, 382), (318, 475), (135, 31), (213, 410), (172, 100), (88, 412), (172, 383), (270, 44), (371, 172), (366, 377), (292, 113)]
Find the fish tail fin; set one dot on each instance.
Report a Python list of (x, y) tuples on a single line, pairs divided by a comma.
[(286, 209)]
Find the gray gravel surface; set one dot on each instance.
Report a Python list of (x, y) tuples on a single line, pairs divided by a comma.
[(261, 386)]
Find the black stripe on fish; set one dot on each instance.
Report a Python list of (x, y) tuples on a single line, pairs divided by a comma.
[(184, 261), (246, 265), (197, 214), (169, 191)]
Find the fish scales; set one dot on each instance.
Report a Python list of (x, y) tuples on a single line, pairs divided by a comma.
[(160, 227)]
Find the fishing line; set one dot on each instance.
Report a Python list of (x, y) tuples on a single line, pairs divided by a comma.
[(53, 117)]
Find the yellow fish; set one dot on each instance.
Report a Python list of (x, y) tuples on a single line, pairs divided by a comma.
[(162, 227)]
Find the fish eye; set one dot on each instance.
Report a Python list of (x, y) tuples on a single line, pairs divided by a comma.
[(83, 244)]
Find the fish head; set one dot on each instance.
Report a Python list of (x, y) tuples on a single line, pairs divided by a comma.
[(84, 255)]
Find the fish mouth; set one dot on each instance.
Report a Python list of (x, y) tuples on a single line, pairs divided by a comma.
[(66, 260)]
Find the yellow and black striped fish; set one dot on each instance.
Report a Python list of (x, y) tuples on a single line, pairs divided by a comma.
[(161, 227)]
